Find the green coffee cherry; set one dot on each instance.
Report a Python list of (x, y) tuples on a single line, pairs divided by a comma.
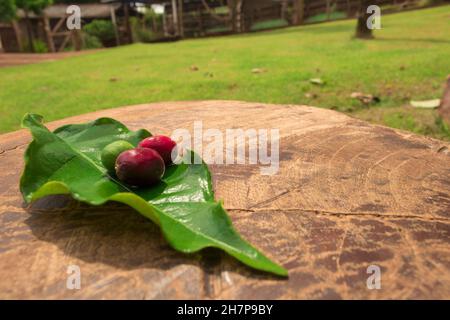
[(112, 151)]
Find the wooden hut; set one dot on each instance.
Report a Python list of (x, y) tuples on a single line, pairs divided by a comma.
[(50, 26)]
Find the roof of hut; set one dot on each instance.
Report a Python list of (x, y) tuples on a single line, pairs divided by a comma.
[(89, 10)]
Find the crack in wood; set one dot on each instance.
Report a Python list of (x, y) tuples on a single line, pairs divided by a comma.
[(335, 213), (4, 151)]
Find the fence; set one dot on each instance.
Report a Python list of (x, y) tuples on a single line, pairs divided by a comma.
[(195, 21)]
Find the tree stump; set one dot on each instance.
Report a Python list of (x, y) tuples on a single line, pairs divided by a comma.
[(348, 195)]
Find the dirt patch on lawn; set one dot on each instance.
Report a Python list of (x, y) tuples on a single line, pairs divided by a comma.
[(13, 59)]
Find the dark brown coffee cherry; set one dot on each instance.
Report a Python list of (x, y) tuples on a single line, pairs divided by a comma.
[(140, 167)]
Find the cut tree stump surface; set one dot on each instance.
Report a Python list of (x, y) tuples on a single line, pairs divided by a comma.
[(348, 195)]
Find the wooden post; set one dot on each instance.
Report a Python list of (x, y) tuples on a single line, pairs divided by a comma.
[(127, 22), (200, 21), (165, 31), (68, 36), (114, 22), (77, 40), (1, 43), (154, 24), (18, 34), (180, 18), (239, 16), (283, 9), (328, 8), (175, 17), (29, 31), (48, 34), (232, 10)]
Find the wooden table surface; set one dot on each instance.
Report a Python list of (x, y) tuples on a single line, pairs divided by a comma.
[(348, 195)]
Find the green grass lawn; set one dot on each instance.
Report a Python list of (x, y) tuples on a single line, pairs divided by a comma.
[(409, 59)]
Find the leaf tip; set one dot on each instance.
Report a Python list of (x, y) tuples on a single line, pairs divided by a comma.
[(282, 272), (278, 270), (30, 119)]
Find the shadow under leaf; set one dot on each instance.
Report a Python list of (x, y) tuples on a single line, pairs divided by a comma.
[(116, 235)]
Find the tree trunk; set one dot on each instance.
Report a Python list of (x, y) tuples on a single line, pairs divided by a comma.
[(235, 7), (298, 12), (1, 45), (362, 30)]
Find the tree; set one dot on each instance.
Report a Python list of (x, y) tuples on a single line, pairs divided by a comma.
[(362, 30), (298, 12), (7, 13), (35, 6), (7, 10), (235, 9)]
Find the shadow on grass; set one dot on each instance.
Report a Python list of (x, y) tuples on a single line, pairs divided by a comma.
[(309, 28), (411, 40)]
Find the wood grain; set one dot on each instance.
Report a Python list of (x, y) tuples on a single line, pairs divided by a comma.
[(348, 195), (444, 107)]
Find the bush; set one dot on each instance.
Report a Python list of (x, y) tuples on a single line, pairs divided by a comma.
[(40, 46), (143, 28), (334, 15), (102, 30), (146, 36), (91, 42), (141, 33)]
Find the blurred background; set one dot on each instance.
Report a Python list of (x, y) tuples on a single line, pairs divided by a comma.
[(314, 52)]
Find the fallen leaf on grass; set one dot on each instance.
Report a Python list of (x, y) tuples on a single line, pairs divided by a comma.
[(258, 70), (365, 97), (233, 86), (428, 104), (309, 95), (317, 81), (194, 68)]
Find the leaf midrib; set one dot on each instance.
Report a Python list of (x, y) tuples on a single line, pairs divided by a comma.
[(90, 161)]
